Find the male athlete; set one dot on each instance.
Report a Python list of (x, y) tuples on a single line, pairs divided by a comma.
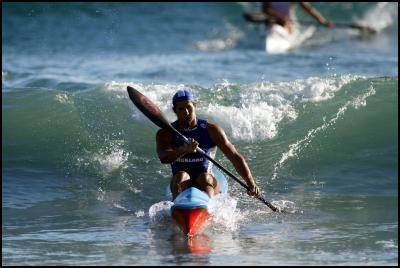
[(190, 168)]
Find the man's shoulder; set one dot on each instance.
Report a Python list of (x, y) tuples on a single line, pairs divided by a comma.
[(214, 128), (164, 133), (211, 125)]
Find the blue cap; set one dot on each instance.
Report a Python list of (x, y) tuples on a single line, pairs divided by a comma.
[(182, 95)]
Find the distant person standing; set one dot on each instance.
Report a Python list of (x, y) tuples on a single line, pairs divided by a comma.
[(279, 13)]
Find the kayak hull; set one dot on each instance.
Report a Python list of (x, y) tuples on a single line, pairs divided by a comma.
[(190, 210), (190, 221)]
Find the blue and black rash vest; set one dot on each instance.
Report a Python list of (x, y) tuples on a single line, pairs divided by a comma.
[(194, 163)]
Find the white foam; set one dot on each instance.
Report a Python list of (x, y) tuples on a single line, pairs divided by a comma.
[(246, 112), (248, 122), (256, 112), (286, 206), (224, 213), (316, 89), (380, 16), (139, 213), (159, 211)]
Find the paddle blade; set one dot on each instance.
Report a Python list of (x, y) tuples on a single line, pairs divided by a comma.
[(364, 29), (148, 108)]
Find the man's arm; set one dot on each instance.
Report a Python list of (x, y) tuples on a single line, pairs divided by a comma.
[(315, 14), (166, 153), (217, 134)]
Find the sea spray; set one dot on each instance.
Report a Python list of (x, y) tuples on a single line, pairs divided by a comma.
[(225, 214), (160, 211), (247, 112)]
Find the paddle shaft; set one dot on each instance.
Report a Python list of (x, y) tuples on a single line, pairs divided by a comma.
[(149, 109), (342, 25)]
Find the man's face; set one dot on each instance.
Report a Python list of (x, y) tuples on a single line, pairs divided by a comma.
[(185, 110)]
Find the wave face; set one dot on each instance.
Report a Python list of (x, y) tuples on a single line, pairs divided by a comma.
[(302, 126), (82, 184)]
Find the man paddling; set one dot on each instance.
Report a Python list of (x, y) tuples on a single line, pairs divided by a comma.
[(279, 12), (190, 168)]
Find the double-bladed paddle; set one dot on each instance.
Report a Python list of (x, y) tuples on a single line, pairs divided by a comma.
[(149, 109)]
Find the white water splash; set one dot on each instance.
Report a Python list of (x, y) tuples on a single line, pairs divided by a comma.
[(159, 211), (286, 206), (139, 213), (111, 161), (380, 16), (259, 108), (246, 112), (224, 213), (106, 160)]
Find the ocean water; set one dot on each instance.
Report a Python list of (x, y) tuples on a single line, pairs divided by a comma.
[(318, 126)]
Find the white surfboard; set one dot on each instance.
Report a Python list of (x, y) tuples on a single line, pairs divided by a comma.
[(279, 40)]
